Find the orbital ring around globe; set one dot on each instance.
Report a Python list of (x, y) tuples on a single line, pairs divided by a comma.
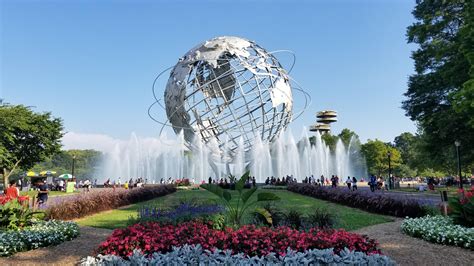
[(229, 90)]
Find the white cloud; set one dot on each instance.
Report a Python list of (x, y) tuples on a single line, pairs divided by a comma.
[(100, 142)]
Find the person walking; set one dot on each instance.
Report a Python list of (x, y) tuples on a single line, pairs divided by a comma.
[(42, 192), (372, 183), (333, 181), (354, 183), (349, 182)]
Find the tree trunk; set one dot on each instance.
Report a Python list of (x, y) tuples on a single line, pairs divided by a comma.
[(5, 179)]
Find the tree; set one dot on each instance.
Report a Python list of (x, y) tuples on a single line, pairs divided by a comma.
[(464, 98), (376, 155), (347, 135), (330, 140), (26, 138), (86, 163), (440, 97)]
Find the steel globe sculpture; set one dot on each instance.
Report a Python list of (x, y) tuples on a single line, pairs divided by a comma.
[(227, 92)]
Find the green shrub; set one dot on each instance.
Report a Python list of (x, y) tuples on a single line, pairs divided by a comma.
[(439, 229), (462, 208), (322, 218), (294, 219), (39, 234), (236, 212), (260, 217), (14, 216)]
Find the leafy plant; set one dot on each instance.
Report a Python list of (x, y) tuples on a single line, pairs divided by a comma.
[(294, 219), (439, 229), (15, 216), (39, 234), (236, 212), (182, 213), (322, 218), (251, 240), (196, 255), (462, 208), (261, 217)]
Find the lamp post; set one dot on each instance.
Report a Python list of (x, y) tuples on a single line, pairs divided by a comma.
[(73, 162), (457, 143), (390, 185)]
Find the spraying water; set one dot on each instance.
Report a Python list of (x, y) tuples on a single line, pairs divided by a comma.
[(163, 158)]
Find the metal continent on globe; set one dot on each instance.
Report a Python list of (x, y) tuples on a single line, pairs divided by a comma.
[(229, 88)]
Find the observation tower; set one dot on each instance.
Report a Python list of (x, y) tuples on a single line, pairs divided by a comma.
[(324, 120)]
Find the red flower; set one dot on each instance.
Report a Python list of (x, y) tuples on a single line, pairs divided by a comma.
[(248, 239)]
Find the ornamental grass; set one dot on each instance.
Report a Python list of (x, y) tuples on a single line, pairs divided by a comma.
[(73, 207), (387, 204)]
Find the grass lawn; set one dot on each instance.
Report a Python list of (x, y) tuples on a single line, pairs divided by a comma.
[(349, 218)]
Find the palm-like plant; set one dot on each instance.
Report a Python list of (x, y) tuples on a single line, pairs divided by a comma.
[(235, 212)]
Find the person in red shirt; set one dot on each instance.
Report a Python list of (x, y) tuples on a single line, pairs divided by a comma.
[(12, 191)]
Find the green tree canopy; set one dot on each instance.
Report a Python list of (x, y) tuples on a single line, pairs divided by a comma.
[(26, 137), (376, 155), (86, 163), (440, 93), (346, 135)]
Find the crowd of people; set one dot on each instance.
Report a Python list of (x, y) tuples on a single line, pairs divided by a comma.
[(128, 184)]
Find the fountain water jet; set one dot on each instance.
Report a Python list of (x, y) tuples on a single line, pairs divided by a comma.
[(162, 158)]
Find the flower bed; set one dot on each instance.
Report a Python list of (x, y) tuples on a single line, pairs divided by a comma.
[(41, 234), (183, 212), (252, 241), (21, 199), (439, 229), (195, 255), (67, 208), (393, 204), (182, 182)]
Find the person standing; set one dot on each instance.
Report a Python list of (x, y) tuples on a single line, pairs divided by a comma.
[(61, 185), (12, 191), (43, 192), (349, 182), (333, 181), (372, 183), (354, 183)]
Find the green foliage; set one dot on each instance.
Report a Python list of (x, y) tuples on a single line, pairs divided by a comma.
[(26, 137), (346, 135), (405, 171), (294, 219), (376, 155), (86, 163), (440, 94), (463, 100), (330, 140), (236, 212), (431, 173), (406, 143), (15, 216), (268, 215), (462, 208), (322, 218)]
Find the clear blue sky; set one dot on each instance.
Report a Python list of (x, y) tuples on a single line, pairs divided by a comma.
[(92, 63)]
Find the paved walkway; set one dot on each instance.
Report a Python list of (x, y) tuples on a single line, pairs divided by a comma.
[(406, 250), (66, 253)]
